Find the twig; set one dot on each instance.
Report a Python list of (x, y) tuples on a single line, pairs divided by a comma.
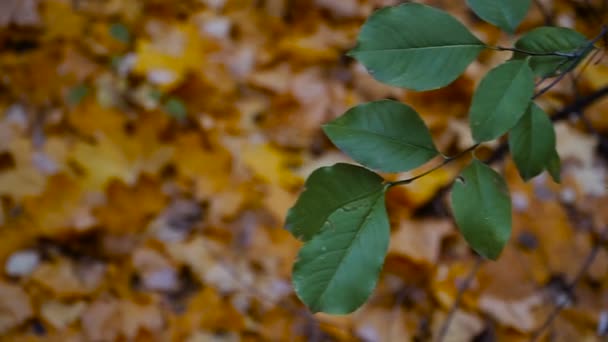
[(548, 16), (570, 288), (457, 301), (551, 85), (580, 104), (575, 57), (445, 161)]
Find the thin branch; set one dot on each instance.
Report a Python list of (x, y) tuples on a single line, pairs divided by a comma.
[(580, 104), (457, 301), (550, 85), (575, 58), (570, 288), (445, 161)]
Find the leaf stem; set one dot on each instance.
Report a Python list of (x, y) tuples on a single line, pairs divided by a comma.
[(446, 160), (530, 53)]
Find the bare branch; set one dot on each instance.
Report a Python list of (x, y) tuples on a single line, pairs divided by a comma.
[(570, 288), (461, 290)]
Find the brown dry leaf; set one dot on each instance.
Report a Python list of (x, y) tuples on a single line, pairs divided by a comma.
[(518, 314), (60, 209), (155, 270), (344, 8), (278, 200), (201, 255), (464, 326), (276, 79), (137, 317), (25, 178), (59, 314), (208, 311), (379, 324), (19, 12), (186, 214), (64, 279), (420, 241), (109, 319), (339, 327), (447, 280), (15, 306), (101, 320), (274, 249), (562, 248), (201, 336), (120, 215)]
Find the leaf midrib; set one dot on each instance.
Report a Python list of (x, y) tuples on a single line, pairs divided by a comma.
[(501, 101), (347, 250), (387, 137), (333, 209), (422, 48)]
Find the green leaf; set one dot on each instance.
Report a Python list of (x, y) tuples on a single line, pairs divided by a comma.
[(506, 14), (384, 135), (554, 167), (327, 190), (337, 270), (415, 46), (120, 32), (547, 40), (77, 94), (532, 142), (176, 108), (500, 100), (482, 209)]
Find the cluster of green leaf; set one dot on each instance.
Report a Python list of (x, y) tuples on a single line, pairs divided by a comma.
[(341, 215)]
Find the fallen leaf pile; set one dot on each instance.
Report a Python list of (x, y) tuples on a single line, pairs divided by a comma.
[(149, 151)]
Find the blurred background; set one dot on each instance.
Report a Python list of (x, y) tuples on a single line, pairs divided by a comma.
[(150, 149)]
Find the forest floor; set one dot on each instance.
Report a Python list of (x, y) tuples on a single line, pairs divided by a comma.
[(150, 149)]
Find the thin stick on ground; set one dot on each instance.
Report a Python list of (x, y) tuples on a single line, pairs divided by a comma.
[(579, 276), (457, 301)]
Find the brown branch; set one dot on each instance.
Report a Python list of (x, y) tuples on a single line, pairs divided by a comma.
[(457, 301), (571, 286)]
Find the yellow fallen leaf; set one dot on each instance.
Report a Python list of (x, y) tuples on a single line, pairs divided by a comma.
[(269, 164), (61, 21), (172, 51), (423, 189), (208, 166)]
